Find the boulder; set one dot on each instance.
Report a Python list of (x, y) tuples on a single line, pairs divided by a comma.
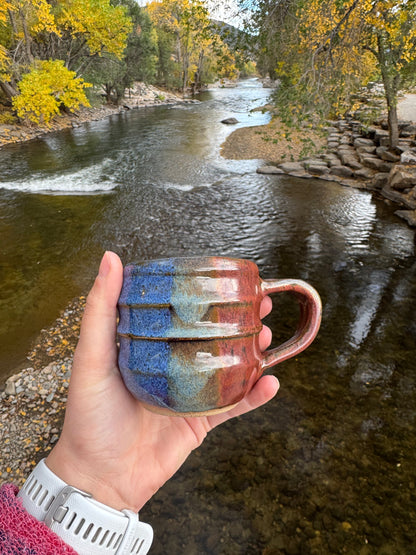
[(408, 215), (334, 137), (270, 170), (289, 167), (351, 161), (408, 157), (380, 180), (10, 387), (346, 139), (331, 159), (317, 169), (341, 171), (333, 145), (407, 129), (331, 130), (402, 177), (387, 154), (366, 149), (361, 141), (230, 121), (382, 137), (364, 173), (376, 163)]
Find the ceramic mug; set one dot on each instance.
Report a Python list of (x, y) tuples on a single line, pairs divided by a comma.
[(189, 331)]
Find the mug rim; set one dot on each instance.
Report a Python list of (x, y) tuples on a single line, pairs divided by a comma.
[(189, 264)]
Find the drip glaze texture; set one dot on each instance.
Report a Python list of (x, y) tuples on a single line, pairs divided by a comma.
[(189, 331)]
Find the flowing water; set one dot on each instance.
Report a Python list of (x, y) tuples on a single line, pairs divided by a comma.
[(328, 466)]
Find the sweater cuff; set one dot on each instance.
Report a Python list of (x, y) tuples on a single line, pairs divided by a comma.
[(20, 532)]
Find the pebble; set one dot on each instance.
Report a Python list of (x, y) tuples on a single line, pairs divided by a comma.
[(32, 403), (29, 423)]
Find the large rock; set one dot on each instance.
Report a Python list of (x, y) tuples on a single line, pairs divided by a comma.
[(230, 121), (289, 167), (317, 169), (380, 180), (361, 141), (352, 162), (408, 157), (381, 137), (331, 159), (270, 170), (387, 154), (341, 171), (402, 177), (375, 163), (365, 173), (408, 215), (369, 149)]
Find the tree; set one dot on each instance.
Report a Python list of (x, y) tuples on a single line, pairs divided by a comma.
[(48, 88), (20, 22), (188, 22), (139, 57), (335, 46), (75, 31)]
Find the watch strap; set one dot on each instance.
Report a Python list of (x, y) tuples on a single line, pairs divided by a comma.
[(88, 526)]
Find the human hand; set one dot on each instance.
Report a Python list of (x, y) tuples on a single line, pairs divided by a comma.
[(111, 445)]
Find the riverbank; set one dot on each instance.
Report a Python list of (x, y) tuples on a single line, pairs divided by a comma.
[(273, 142), (140, 95), (345, 151), (32, 403)]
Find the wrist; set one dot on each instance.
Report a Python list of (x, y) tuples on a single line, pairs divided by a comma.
[(77, 475), (106, 485)]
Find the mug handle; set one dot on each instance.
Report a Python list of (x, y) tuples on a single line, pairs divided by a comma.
[(309, 321)]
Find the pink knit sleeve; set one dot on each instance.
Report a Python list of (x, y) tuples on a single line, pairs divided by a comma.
[(21, 533)]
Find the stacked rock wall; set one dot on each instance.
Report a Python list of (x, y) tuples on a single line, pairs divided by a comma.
[(361, 157)]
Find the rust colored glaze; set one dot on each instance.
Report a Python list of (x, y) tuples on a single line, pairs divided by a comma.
[(189, 331)]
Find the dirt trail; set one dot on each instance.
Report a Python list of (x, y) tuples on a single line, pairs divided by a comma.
[(407, 108)]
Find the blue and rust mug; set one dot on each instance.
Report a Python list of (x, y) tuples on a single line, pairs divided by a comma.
[(189, 331)]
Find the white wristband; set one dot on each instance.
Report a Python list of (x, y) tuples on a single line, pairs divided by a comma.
[(85, 524)]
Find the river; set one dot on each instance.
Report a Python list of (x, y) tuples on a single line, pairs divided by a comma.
[(327, 466)]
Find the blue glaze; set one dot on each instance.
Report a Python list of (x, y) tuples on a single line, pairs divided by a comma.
[(145, 322), (144, 366), (148, 284)]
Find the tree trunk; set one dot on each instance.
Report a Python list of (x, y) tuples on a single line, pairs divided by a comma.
[(27, 37), (391, 82), (8, 89), (393, 123)]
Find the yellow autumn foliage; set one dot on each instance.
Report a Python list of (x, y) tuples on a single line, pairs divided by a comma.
[(47, 88), (103, 26)]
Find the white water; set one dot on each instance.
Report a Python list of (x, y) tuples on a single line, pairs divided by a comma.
[(89, 180)]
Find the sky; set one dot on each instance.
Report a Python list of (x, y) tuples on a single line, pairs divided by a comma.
[(223, 10)]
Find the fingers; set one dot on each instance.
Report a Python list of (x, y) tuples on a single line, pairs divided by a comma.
[(97, 343), (265, 306), (263, 391), (265, 338)]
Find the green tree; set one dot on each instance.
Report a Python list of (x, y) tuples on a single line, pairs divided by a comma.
[(138, 62)]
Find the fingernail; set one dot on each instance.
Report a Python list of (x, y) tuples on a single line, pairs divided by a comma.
[(105, 265)]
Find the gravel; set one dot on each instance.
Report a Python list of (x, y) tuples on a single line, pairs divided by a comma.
[(32, 403)]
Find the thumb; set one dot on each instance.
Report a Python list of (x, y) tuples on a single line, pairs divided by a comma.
[(96, 349)]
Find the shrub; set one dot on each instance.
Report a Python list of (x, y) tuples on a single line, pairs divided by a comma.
[(47, 88)]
